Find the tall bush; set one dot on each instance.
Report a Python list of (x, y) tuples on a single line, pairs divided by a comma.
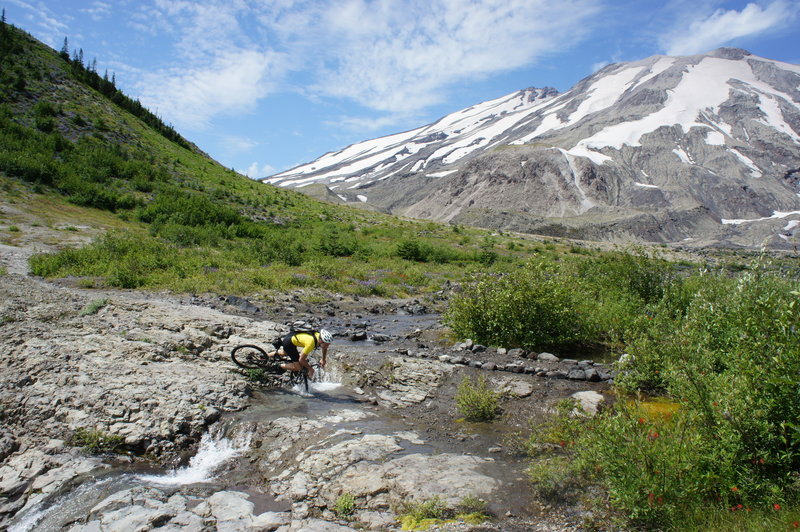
[(538, 306)]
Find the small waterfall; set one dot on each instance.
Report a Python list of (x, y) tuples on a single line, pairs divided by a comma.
[(214, 450), (324, 383)]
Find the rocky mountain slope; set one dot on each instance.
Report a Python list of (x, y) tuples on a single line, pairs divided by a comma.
[(700, 150)]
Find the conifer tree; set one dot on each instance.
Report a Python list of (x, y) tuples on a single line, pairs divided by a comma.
[(64, 53), (3, 17)]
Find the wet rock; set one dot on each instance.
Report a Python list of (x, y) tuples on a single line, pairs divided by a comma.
[(412, 381), (476, 364), (358, 336), (146, 508), (478, 348), (242, 304)]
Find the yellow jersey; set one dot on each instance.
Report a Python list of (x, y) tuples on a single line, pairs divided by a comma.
[(307, 341)]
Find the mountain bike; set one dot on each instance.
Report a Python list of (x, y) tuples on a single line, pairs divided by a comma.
[(253, 357)]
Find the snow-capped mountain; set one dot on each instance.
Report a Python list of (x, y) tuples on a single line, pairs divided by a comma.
[(701, 149)]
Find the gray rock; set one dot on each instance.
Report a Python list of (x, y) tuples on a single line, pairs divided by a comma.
[(8, 443), (490, 366), (577, 375), (589, 402), (547, 357)]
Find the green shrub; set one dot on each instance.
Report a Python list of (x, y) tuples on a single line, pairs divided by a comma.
[(421, 515), (471, 505), (255, 375), (93, 307), (334, 243), (726, 351), (411, 250), (539, 306), (345, 505), (97, 441), (477, 401)]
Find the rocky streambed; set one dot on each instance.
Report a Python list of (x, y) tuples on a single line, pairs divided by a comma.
[(151, 374)]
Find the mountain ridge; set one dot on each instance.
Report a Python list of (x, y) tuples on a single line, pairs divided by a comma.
[(659, 136)]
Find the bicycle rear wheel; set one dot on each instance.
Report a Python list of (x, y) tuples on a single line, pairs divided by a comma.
[(250, 357)]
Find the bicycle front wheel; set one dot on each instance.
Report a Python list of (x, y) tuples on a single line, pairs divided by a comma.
[(250, 357)]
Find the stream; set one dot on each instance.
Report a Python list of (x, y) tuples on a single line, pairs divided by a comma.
[(236, 455)]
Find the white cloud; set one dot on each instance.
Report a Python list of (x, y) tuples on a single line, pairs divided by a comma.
[(400, 56), (369, 123), (395, 56), (723, 26), (255, 171), (193, 96), (237, 144), (98, 10)]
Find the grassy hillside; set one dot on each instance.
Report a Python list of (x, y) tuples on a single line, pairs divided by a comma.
[(181, 221)]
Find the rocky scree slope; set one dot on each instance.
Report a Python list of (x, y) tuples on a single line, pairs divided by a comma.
[(699, 150)]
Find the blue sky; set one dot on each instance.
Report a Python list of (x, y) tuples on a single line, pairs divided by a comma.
[(265, 85)]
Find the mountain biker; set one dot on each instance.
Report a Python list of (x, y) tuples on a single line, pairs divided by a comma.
[(290, 343)]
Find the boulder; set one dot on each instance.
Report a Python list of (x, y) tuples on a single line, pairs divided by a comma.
[(547, 357)]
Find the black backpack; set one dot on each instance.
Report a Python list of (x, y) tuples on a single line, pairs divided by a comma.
[(303, 327)]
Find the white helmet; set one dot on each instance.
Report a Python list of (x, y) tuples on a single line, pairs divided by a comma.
[(326, 336)]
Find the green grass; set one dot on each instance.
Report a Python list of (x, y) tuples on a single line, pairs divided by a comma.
[(422, 515), (97, 441), (477, 401), (93, 307)]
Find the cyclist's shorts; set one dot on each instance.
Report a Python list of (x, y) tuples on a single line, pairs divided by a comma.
[(289, 348)]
